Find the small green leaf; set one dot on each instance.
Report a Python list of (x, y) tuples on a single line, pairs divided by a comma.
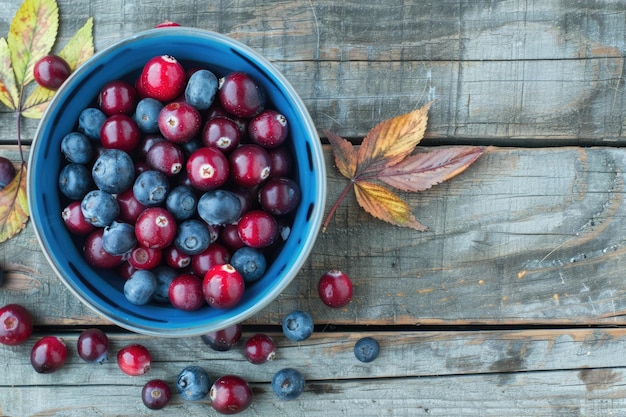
[(80, 47)]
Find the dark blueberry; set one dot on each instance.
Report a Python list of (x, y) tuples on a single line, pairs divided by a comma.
[(298, 325), (90, 122), (164, 276), (201, 89), (191, 146), (147, 114), (288, 383), (7, 172), (219, 207), (77, 147), (250, 263), (182, 202), (192, 237), (118, 238), (151, 188), (140, 287), (193, 383), (75, 181), (99, 208), (113, 171), (366, 349)]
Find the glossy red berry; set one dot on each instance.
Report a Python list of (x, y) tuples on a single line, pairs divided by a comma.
[(51, 71), (162, 78), (167, 24), (335, 288), (16, 324), (260, 348), (214, 254), (230, 394), (134, 359), (268, 129), (250, 165), (117, 97), (179, 121), (95, 255), (166, 157), (241, 95), (155, 228), (257, 229), (185, 292), (145, 258), (223, 286), (279, 195), (155, 394), (130, 207), (120, 132), (93, 345), (224, 339), (207, 168), (281, 161), (229, 236), (222, 133), (48, 354), (176, 258), (75, 221)]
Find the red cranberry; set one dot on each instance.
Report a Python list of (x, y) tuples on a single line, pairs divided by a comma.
[(179, 121), (185, 292), (224, 339), (281, 161), (279, 196), (335, 289), (155, 394), (130, 208), (230, 394), (95, 254), (48, 354), (222, 133), (16, 324), (134, 359), (93, 345), (268, 129), (260, 348), (145, 258), (229, 236), (75, 220), (155, 228), (51, 71), (120, 132), (223, 286), (257, 229), (117, 97), (240, 95), (162, 78), (214, 254), (175, 258), (250, 165), (167, 157), (207, 168)]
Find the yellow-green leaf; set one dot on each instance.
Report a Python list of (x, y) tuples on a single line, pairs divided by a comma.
[(37, 102), (32, 34), (80, 47), (385, 205), (345, 154), (13, 206), (8, 89), (392, 140)]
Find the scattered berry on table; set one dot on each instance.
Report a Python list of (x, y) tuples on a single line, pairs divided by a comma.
[(193, 383), (335, 288), (7, 172), (366, 349), (134, 359), (224, 339), (51, 71), (155, 394), (230, 394), (260, 348), (288, 383), (48, 354), (93, 345), (298, 325), (16, 324)]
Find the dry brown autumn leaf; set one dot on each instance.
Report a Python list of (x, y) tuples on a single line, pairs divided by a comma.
[(387, 156)]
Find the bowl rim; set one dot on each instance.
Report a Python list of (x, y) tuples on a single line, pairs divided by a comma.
[(316, 155)]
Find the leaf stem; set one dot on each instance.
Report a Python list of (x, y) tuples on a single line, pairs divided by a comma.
[(18, 118), (331, 213)]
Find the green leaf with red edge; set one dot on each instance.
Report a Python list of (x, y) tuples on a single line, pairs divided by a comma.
[(75, 53), (422, 170), (9, 95), (32, 34), (14, 211), (385, 205)]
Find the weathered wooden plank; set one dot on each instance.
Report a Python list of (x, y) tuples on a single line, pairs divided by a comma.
[(523, 236), (542, 372), (501, 72)]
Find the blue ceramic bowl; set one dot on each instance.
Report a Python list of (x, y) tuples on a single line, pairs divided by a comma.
[(102, 290)]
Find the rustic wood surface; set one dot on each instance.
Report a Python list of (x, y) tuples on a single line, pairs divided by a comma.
[(511, 304)]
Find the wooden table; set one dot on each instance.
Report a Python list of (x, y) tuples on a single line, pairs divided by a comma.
[(513, 303)]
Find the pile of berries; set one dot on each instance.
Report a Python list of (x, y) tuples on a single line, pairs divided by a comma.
[(182, 180)]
